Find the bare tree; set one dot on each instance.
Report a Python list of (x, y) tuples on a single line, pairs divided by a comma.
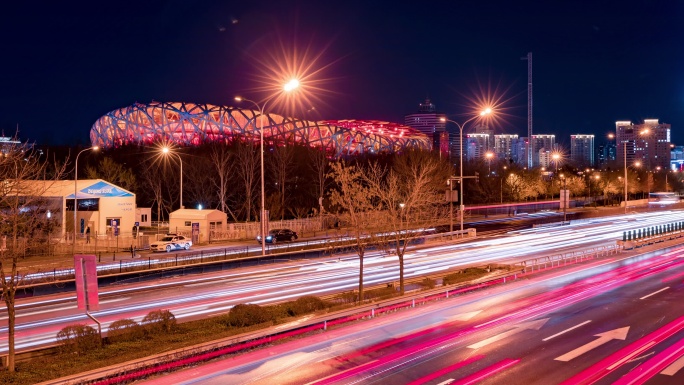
[(280, 167), (410, 195), (247, 169), (318, 166), (107, 169), (200, 182), (23, 209), (222, 159), (352, 195), (151, 180)]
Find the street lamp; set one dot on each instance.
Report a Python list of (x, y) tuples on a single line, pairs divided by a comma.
[(556, 158), (166, 150), (565, 197), (94, 148), (401, 216), (288, 87), (487, 111), (489, 156)]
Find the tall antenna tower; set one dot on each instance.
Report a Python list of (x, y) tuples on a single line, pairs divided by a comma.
[(529, 108)]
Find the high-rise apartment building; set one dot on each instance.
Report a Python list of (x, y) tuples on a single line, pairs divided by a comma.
[(648, 143), (432, 123), (582, 150), (541, 142), (504, 146), (476, 146)]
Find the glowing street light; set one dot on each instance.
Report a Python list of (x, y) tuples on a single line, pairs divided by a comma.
[(483, 113), (166, 150), (287, 87), (93, 148), (489, 155)]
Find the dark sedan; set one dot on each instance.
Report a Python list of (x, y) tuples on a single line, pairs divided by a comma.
[(279, 235)]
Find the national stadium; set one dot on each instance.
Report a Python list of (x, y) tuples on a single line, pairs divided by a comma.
[(188, 124)]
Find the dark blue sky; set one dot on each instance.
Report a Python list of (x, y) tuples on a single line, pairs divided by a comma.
[(64, 64)]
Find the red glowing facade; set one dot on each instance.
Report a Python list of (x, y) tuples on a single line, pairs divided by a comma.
[(188, 124)]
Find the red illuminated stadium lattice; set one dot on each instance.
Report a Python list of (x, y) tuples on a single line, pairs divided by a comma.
[(189, 124)]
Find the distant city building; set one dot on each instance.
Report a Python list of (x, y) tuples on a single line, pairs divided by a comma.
[(541, 142), (648, 143), (582, 150), (677, 158), (606, 155), (431, 123), (476, 146), (505, 146), (545, 159), (520, 151)]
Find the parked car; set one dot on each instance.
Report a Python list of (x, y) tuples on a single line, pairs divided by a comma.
[(279, 235), (171, 242)]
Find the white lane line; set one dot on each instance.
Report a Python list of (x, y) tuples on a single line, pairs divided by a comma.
[(566, 330), (655, 292), (447, 382)]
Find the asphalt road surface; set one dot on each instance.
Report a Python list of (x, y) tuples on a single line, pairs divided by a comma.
[(617, 321)]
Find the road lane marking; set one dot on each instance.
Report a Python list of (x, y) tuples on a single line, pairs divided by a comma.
[(534, 325), (566, 330), (628, 358), (447, 382), (655, 292), (619, 334), (674, 367), (463, 316)]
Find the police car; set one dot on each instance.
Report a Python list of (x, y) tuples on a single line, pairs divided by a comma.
[(171, 242)]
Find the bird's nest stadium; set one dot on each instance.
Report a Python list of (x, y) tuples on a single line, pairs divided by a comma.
[(188, 124)]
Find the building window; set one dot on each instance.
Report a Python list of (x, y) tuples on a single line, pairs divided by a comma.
[(188, 223), (143, 218)]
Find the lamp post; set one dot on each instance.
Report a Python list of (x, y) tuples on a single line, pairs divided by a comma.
[(94, 148), (556, 158), (166, 150), (624, 147), (288, 87), (565, 196), (460, 130), (489, 156)]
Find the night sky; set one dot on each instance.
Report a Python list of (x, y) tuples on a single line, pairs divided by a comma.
[(64, 63)]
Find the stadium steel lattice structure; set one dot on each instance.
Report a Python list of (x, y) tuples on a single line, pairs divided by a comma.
[(188, 124)]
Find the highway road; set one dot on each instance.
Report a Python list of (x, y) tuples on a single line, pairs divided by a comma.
[(191, 297), (613, 321)]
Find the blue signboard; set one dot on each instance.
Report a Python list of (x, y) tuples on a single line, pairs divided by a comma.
[(101, 190)]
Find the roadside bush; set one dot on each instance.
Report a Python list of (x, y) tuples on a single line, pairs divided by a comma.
[(382, 293), (308, 304), (125, 330), (427, 283), (347, 297), (247, 315), (158, 321), (464, 276), (78, 339)]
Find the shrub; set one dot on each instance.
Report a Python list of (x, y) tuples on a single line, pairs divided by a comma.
[(247, 315), (159, 321), (464, 275), (78, 339), (347, 297), (427, 283), (308, 304), (125, 330), (381, 293)]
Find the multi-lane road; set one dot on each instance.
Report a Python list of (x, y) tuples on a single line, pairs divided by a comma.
[(613, 321), (39, 319)]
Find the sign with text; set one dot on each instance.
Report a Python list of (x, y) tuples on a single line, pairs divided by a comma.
[(85, 272)]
